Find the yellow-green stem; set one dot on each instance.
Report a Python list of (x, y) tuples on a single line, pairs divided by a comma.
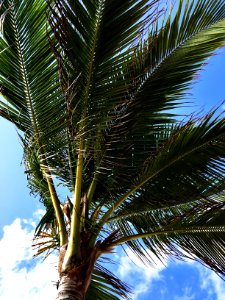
[(84, 212), (107, 215), (91, 189), (73, 249), (58, 210), (71, 160)]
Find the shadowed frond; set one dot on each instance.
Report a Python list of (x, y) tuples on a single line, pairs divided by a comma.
[(179, 172), (187, 231), (106, 286)]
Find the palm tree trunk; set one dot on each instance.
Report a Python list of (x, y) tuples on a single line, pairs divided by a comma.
[(74, 282), (70, 289)]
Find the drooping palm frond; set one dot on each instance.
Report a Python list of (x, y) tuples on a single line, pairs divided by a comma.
[(194, 230), (106, 286), (169, 179), (46, 239), (180, 172)]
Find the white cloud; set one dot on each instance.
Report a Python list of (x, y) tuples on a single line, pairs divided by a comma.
[(212, 283), (25, 278), (139, 275), (218, 286), (21, 276)]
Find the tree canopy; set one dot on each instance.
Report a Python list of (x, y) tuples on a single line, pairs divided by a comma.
[(94, 88)]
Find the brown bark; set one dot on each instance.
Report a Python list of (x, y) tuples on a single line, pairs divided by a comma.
[(75, 280), (70, 289), (73, 285)]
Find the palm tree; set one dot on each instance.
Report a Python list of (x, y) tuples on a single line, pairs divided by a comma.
[(94, 88)]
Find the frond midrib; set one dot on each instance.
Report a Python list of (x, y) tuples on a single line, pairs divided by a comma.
[(24, 74), (185, 230)]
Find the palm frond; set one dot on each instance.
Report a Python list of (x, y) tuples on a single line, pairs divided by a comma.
[(95, 77), (29, 74), (92, 92), (162, 68), (131, 118), (106, 286), (178, 172), (46, 241), (165, 64), (194, 231)]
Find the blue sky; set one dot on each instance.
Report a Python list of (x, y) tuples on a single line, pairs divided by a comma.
[(32, 279)]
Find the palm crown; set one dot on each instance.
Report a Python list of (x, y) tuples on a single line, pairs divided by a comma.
[(94, 87)]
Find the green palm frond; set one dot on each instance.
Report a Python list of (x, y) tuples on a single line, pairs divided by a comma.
[(135, 96), (29, 75), (162, 68), (165, 64), (180, 172), (177, 172), (35, 177), (46, 241), (93, 81), (194, 230), (29, 83), (106, 286)]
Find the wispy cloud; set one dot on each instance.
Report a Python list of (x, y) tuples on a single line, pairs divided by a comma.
[(137, 274), (188, 294), (212, 283), (21, 276)]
